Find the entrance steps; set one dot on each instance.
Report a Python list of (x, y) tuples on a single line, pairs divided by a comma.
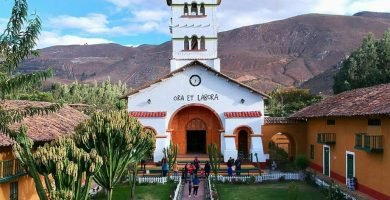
[(153, 169)]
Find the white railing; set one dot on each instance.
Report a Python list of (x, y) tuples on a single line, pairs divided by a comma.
[(158, 180), (177, 191), (258, 179), (176, 178), (210, 189), (278, 176)]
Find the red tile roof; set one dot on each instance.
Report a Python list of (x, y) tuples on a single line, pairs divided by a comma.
[(360, 102), (5, 141), (44, 128), (247, 114), (139, 114)]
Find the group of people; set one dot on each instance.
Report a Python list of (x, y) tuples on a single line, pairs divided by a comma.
[(191, 172), (194, 169), (236, 164)]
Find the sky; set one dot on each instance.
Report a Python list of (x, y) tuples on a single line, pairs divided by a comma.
[(136, 22)]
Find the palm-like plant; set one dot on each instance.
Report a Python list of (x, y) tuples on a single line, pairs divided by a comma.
[(119, 139)]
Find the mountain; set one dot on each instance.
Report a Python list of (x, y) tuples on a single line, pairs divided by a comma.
[(281, 53), (373, 14)]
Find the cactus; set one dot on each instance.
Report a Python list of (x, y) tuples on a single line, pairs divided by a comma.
[(119, 139), (215, 158), (170, 154), (61, 163)]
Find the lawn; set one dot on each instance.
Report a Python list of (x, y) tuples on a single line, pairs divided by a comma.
[(143, 192), (267, 191)]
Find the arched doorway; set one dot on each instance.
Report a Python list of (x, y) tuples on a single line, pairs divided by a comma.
[(243, 135), (285, 142), (193, 127), (196, 137)]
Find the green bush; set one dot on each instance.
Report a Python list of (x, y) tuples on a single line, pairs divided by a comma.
[(301, 162)]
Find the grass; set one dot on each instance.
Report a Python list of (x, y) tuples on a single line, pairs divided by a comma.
[(267, 191), (143, 192)]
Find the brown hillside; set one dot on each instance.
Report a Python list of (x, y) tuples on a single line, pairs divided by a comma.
[(287, 52)]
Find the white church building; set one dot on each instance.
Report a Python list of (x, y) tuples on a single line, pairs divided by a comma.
[(195, 104)]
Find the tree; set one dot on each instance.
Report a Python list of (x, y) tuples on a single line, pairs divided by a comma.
[(62, 163), (284, 102), (119, 139), (103, 96), (16, 44), (366, 66)]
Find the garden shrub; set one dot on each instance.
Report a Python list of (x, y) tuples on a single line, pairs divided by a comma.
[(301, 162)]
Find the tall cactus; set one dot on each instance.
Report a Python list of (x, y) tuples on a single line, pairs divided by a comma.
[(170, 154), (119, 139), (67, 171), (215, 158)]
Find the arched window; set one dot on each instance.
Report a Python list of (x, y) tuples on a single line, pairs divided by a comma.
[(194, 9), (186, 43), (202, 9), (186, 9), (194, 43), (203, 43)]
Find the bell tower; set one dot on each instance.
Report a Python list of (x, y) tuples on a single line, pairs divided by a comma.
[(194, 32)]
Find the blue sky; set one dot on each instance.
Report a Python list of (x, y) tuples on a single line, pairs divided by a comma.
[(135, 22)]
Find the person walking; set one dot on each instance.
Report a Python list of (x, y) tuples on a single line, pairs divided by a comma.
[(191, 170), (207, 169), (184, 175), (189, 188), (195, 182), (237, 163)]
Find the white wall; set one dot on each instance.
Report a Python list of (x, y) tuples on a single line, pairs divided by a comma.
[(229, 94), (162, 96)]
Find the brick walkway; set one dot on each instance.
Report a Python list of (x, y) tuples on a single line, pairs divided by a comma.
[(200, 196)]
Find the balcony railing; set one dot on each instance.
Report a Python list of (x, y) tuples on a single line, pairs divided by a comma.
[(10, 169), (326, 138), (369, 143)]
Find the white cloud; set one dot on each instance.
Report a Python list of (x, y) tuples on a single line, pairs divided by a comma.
[(144, 21), (124, 3), (51, 39), (92, 23), (150, 15)]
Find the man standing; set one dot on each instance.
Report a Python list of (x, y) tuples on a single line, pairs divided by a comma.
[(238, 166), (207, 169)]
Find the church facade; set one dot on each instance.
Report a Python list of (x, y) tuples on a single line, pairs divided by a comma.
[(195, 104)]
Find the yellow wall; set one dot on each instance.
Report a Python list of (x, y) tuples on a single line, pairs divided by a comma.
[(26, 186), (371, 168), (295, 132)]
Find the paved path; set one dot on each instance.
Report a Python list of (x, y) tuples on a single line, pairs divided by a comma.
[(200, 196)]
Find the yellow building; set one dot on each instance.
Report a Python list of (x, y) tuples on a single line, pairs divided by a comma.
[(348, 135), (14, 182)]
